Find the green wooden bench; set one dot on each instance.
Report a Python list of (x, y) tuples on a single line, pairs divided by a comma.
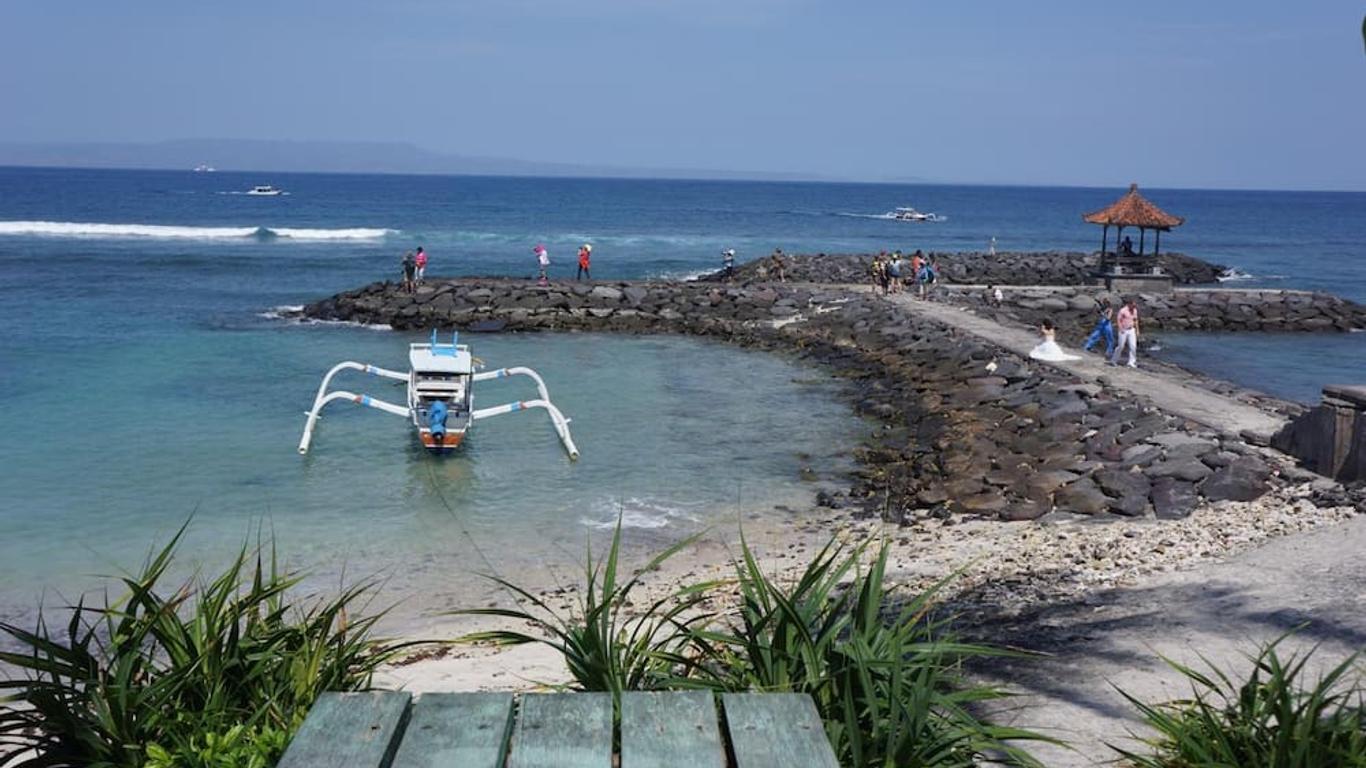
[(388, 729)]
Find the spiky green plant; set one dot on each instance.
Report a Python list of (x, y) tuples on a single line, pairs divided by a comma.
[(160, 670), (1274, 718), (607, 643), (889, 687)]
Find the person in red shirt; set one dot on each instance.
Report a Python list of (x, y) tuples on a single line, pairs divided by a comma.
[(585, 259)]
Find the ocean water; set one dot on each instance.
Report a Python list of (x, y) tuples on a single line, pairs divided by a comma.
[(145, 378)]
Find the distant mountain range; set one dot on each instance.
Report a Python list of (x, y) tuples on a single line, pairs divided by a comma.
[(329, 157)]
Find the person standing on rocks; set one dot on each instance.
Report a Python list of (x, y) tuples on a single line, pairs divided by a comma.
[(779, 266), (728, 263), (1104, 329), (409, 270), (1127, 320), (879, 270), (894, 273), (542, 263), (421, 261), (585, 260)]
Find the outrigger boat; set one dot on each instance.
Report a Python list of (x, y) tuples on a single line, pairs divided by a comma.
[(440, 380)]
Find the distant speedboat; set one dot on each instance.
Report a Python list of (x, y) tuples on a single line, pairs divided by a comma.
[(201, 168), (911, 214), (265, 190)]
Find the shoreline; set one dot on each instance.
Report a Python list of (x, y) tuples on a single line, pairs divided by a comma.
[(1047, 486)]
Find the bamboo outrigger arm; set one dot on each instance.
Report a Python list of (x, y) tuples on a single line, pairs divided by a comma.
[(556, 418), (323, 398)]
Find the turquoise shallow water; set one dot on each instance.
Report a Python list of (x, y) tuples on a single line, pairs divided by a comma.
[(675, 434), (139, 383)]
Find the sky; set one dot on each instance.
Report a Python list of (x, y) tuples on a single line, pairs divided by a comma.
[(1169, 93)]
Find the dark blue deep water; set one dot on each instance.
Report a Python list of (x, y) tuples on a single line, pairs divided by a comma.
[(143, 377)]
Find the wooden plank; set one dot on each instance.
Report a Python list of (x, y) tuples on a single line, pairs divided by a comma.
[(667, 729), (563, 730), (457, 730), (776, 730), (349, 730)]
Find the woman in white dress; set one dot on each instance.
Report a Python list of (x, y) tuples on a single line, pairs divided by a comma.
[(1048, 350)]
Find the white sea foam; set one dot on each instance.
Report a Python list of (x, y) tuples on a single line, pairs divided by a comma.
[(282, 311), (163, 231), (638, 513)]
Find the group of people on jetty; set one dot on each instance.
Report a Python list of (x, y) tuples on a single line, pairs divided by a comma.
[(893, 274), (585, 262), (1118, 329)]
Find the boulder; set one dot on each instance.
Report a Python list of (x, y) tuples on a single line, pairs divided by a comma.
[(1120, 483), (1024, 510), (635, 294), (606, 293), (1188, 469), (1173, 499), (1081, 497), (985, 503)]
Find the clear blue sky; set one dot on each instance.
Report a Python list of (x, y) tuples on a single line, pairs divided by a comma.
[(1167, 92)]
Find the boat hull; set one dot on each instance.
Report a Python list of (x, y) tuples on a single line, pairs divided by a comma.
[(450, 441)]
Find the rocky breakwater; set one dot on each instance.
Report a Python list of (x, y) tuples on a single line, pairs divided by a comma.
[(964, 428), (1073, 310), (1005, 268)]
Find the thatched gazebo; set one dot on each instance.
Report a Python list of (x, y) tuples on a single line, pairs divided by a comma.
[(1131, 210)]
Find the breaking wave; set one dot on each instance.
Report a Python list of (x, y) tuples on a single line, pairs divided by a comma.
[(169, 232), (638, 513)]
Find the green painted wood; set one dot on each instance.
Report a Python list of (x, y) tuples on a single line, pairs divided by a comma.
[(776, 730), (668, 729), (563, 730), (457, 730), (349, 730)]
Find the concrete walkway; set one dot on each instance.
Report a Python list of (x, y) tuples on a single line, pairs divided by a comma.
[(1311, 583), (1215, 411)]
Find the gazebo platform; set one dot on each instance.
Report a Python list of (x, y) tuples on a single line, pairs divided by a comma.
[(1125, 270)]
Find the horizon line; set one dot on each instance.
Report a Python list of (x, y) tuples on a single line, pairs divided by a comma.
[(734, 177)]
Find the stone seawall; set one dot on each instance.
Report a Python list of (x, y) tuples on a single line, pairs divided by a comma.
[(966, 428), (1036, 268), (1073, 309)]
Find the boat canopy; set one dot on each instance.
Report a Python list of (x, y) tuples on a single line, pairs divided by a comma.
[(436, 357)]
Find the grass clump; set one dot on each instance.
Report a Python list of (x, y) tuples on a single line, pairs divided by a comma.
[(207, 673), (1274, 718), (889, 687)]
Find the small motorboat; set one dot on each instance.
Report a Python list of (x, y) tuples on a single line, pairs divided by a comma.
[(265, 190), (202, 168), (440, 380), (911, 214)]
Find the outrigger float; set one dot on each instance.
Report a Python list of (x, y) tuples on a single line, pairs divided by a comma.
[(440, 397)]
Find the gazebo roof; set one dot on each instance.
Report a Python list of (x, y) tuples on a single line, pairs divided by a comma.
[(1134, 210)]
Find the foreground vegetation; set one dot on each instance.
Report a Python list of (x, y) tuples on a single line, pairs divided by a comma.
[(219, 672), (889, 688), (210, 673), (1271, 719)]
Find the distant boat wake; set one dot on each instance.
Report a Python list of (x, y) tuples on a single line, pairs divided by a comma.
[(889, 216), (167, 232)]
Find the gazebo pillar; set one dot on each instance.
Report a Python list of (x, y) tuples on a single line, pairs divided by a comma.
[(1105, 230), (1157, 242), (1141, 233)]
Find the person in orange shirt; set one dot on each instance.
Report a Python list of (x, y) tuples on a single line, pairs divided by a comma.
[(585, 259)]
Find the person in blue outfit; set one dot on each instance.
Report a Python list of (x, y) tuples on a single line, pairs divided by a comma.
[(1104, 329)]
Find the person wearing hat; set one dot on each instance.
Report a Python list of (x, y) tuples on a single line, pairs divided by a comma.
[(728, 263), (585, 258), (543, 262)]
